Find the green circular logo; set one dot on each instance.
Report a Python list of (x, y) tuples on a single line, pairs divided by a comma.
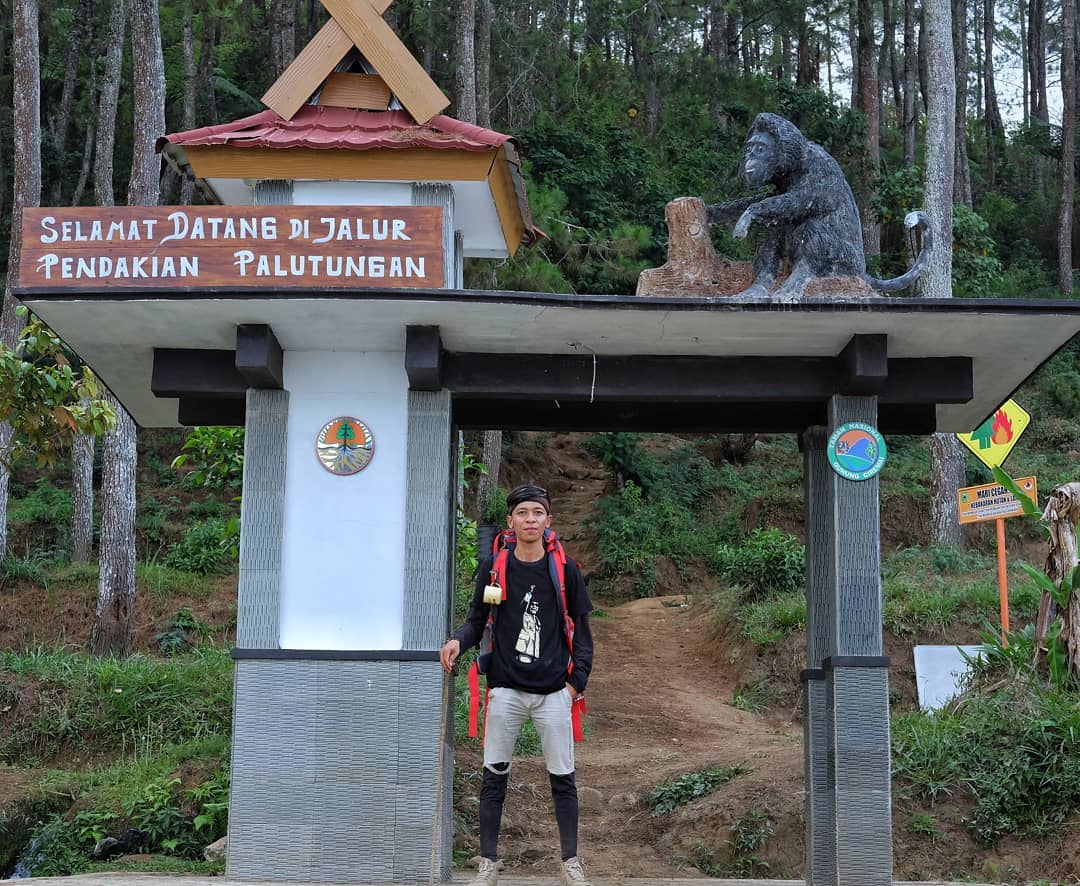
[(856, 451)]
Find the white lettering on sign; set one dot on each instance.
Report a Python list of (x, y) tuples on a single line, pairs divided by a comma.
[(105, 267), (250, 264), (338, 229), (95, 231), (228, 228)]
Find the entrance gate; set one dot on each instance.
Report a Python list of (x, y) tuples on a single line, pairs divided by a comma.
[(260, 314), (342, 754)]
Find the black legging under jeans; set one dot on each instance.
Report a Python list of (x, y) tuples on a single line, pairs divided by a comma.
[(493, 793)]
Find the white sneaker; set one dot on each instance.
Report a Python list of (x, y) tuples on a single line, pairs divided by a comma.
[(487, 874), (572, 873)]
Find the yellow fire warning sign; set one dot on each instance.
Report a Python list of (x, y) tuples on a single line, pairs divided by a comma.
[(994, 439)]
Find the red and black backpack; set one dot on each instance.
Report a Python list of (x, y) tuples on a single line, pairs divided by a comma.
[(501, 547)]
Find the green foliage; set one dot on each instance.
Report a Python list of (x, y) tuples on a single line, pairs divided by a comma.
[(670, 795), (45, 506), (622, 455), (31, 567), (925, 825), (86, 703), (1015, 754), (976, 266), (770, 562), (766, 622), (166, 580), (45, 399), (215, 456), (204, 549), (755, 696), (748, 834), (633, 532), (182, 632), (169, 820)]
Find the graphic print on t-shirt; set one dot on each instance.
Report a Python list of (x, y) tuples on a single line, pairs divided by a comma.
[(528, 641)]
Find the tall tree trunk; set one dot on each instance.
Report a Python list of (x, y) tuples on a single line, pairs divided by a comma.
[(1068, 143), (60, 120), (486, 485), (115, 612), (104, 187), (82, 498), (869, 105), (995, 130), (26, 108), (187, 122), (1037, 60), (206, 64), (946, 452), (116, 575), (464, 54), (909, 117), (977, 55), (1025, 59), (484, 17), (924, 66), (646, 32), (961, 174), (282, 35), (805, 71)]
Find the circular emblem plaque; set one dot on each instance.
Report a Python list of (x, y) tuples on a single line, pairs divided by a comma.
[(345, 445), (856, 451)]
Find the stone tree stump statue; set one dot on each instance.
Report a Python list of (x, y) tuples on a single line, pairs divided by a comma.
[(693, 265), (813, 242), (1060, 516)]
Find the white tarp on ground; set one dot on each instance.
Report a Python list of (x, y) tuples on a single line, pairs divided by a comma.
[(939, 673)]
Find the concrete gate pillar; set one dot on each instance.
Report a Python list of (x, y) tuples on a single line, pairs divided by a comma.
[(846, 697), (342, 763)]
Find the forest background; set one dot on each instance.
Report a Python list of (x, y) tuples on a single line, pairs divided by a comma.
[(619, 107)]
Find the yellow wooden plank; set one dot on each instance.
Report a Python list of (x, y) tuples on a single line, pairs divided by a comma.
[(501, 183), (380, 45), (379, 164), (308, 70), (362, 91), (315, 62)]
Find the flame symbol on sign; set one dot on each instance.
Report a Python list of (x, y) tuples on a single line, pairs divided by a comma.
[(1001, 431)]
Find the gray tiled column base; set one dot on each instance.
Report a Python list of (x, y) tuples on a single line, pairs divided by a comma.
[(820, 502), (858, 714), (338, 772), (820, 814)]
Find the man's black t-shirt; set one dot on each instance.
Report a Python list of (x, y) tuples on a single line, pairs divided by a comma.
[(530, 650)]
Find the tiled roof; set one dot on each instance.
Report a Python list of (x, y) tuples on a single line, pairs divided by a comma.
[(342, 128)]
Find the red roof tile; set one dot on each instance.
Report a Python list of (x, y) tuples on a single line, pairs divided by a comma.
[(342, 128)]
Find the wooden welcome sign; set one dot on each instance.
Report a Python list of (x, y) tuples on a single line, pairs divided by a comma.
[(230, 247)]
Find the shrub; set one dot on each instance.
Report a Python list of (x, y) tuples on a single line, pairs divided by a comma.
[(33, 567), (203, 549), (1015, 754), (622, 455), (679, 791), (634, 531), (45, 505), (769, 563), (766, 622), (216, 457)]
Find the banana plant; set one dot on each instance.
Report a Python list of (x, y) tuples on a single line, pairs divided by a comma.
[(1057, 658)]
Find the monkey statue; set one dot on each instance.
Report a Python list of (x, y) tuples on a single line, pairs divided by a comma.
[(813, 221)]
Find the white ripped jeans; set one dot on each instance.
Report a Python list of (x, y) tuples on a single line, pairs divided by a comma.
[(508, 709)]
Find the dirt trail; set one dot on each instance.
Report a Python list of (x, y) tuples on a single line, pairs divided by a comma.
[(659, 707)]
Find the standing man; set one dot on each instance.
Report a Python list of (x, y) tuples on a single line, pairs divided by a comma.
[(537, 653)]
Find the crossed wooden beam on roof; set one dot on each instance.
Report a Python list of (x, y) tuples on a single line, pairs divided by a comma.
[(357, 23)]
